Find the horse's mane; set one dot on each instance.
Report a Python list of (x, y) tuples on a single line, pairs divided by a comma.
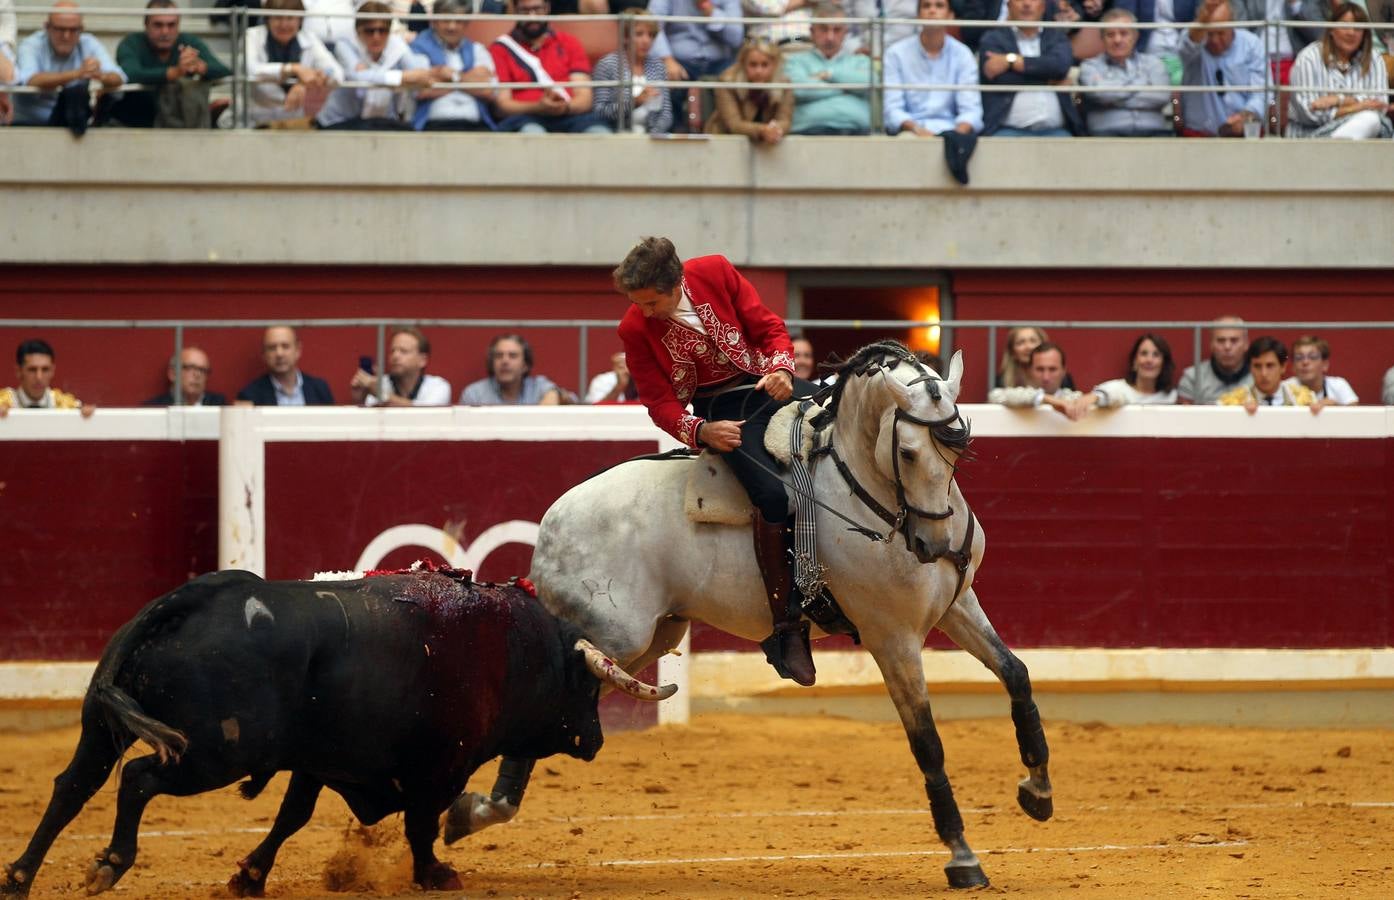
[(889, 354)]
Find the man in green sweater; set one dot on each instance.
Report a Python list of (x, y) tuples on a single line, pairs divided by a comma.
[(842, 109), (178, 67)]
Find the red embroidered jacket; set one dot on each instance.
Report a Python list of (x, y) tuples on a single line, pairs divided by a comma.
[(669, 361)]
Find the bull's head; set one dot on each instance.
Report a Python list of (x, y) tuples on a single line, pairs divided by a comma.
[(591, 671)]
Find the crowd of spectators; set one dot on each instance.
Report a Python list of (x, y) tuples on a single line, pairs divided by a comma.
[(1034, 372), (376, 73), (1238, 372)]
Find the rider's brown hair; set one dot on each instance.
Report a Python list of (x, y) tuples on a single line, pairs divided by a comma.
[(653, 263)]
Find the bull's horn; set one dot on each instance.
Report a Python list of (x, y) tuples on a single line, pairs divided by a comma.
[(609, 671)]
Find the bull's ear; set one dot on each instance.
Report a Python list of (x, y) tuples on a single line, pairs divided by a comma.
[(953, 381)]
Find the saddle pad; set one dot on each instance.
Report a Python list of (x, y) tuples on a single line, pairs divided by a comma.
[(713, 495), (777, 434)]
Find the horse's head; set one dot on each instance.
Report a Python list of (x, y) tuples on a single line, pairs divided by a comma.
[(908, 421)]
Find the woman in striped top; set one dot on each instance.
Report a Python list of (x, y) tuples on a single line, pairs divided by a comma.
[(1340, 87), (645, 108)]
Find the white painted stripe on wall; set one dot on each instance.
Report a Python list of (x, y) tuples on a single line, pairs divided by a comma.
[(735, 674)]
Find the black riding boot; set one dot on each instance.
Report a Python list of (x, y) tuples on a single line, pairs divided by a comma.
[(787, 648)]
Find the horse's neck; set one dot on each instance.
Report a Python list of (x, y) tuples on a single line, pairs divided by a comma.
[(854, 434)]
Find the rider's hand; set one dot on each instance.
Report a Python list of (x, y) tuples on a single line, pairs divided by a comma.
[(723, 436), (778, 384)]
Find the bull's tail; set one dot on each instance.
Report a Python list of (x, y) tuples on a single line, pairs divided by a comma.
[(125, 716)]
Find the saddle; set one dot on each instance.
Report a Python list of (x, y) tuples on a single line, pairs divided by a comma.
[(714, 496)]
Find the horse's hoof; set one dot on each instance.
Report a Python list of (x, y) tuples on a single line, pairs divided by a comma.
[(457, 819), (439, 877), (1038, 807), (963, 877)]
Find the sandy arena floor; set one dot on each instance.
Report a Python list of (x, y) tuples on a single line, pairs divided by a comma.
[(738, 806)]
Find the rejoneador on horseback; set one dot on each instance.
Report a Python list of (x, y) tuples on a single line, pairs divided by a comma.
[(698, 333)]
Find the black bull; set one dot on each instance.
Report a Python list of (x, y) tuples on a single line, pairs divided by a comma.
[(390, 691)]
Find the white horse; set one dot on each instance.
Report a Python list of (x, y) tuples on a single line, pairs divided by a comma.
[(618, 556)]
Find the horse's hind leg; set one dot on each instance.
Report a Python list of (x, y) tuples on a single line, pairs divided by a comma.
[(966, 625), (903, 672), (296, 808), (97, 751)]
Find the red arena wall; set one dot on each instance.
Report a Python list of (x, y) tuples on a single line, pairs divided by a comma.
[(1092, 541)]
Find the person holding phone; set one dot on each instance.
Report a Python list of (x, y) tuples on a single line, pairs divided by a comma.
[(406, 382)]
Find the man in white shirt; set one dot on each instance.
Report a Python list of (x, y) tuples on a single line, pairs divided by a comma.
[(406, 382), (1027, 55), (1048, 372)]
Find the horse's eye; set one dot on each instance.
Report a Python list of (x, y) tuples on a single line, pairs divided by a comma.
[(907, 455)]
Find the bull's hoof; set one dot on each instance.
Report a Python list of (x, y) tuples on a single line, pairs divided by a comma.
[(247, 882), (1038, 806), (439, 877), (15, 883), (963, 877), (100, 877)]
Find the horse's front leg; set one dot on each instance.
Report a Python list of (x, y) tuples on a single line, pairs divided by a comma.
[(903, 672), (967, 625)]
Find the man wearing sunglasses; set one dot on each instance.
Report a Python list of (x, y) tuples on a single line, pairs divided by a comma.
[(171, 62), (60, 56)]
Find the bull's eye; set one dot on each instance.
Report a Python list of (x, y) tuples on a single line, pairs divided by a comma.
[(907, 454)]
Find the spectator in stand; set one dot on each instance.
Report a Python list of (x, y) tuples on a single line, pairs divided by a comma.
[(1015, 368), (859, 39), (1220, 57), (60, 59), (691, 50), (194, 369), (1386, 394), (804, 366), (510, 380), (1027, 55), (761, 114), (822, 111), (329, 20), (284, 384), (34, 369), (646, 109), (1342, 84), (1285, 42), (379, 57), (1048, 388), (1267, 358), (291, 67), (407, 382), (1150, 379), (932, 57), (1311, 361), (1125, 111), (533, 52), (453, 57), (614, 386), (178, 65), (1163, 43), (1226, 368), (9, 33)]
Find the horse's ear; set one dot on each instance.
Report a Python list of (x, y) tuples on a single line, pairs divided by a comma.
[(954, 379), (900, 393)]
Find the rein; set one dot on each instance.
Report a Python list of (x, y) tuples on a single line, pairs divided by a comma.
[(901, 522)]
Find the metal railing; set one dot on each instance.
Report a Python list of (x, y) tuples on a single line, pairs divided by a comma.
[(869, 31), (583, 327)]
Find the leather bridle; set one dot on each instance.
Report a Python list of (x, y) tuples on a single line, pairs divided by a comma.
[(903, 521)]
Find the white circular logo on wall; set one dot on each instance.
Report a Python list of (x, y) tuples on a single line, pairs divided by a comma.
[(436, 540)]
